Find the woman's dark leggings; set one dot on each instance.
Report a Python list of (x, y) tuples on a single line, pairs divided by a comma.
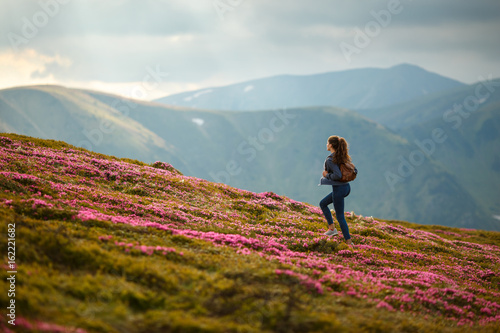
[(337, 198)]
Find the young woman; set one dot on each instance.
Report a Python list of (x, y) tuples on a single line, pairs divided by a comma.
[(339, 154)]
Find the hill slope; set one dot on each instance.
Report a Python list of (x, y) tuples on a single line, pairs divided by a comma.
[(469, 117), (71, 115), (354, 89), (107, 245), (471, 148), (280, 151)]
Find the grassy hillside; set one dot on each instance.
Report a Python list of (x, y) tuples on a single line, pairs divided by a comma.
[(112, 245)]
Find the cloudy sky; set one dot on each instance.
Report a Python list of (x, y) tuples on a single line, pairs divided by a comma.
[(152, 48)]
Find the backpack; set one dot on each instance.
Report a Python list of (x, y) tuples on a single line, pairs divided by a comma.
[(349, 172)]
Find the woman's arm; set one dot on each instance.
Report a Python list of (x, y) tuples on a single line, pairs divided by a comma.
[(332, 171)]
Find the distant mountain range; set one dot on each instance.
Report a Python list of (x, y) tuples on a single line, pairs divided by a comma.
[(353, 89), (282, 150)]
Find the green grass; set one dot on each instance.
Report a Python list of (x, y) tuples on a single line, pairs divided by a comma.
[(217, 259)]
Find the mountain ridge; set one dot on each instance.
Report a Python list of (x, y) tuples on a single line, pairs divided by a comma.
[(353, 89)]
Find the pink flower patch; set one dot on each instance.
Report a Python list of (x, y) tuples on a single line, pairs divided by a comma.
[(383, 304)]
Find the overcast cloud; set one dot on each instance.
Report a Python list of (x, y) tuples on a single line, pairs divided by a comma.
[(113, 45)]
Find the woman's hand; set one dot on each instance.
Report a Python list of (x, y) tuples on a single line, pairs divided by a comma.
[(325, 173)]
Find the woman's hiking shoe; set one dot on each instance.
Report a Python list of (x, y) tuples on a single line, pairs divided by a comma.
[(331, 232)]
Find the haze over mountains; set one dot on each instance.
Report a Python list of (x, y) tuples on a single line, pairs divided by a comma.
[(409, 169)]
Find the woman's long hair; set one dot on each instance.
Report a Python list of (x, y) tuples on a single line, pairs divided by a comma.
[(341, 149)]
